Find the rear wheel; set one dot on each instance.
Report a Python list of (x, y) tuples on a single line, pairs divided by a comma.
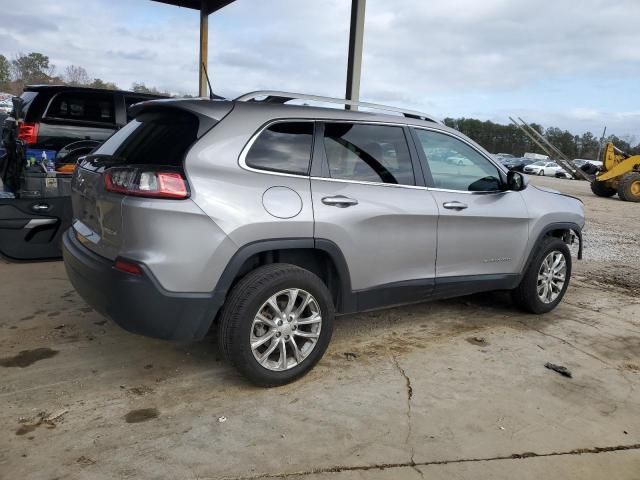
[(276, 324), (601, 189), (629, 187), (546, 279)]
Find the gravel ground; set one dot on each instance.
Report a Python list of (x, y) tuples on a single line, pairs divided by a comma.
[(611, 236)]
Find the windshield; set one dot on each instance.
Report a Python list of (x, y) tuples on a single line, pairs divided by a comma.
[(539, 164)]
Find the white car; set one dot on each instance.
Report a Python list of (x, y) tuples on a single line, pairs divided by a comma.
[(543, 168), (6, 105)]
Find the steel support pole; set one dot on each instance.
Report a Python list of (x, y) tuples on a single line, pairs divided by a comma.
[(354, 61), (204, 49)]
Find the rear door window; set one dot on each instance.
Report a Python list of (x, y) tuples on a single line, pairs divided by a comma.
[(283, 147), (368, 153), (82, 106)]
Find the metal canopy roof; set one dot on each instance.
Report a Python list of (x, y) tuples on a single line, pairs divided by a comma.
[(208, 6)]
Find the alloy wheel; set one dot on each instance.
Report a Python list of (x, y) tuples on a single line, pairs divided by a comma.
[(551, 276), (285, 329)]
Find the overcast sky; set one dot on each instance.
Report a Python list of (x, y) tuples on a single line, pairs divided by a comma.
[(569, 63)]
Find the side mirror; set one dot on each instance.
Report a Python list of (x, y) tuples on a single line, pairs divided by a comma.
[(516, 181)]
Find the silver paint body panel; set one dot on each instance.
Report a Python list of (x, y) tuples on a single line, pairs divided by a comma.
[(394, 234)]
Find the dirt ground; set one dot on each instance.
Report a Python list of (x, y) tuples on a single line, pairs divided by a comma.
[(451, 389)]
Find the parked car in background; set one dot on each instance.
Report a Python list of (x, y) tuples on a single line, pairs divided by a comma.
[(267, 219), (517, 164), (536, 156), (5, 105), (542, 168), (56, 125)]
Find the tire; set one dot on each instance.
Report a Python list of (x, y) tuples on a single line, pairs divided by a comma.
[(540, 172), (629, 187), (526, 295), (601, 189), (238, 324)]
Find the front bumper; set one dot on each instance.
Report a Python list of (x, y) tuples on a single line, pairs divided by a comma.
[(137, 303)]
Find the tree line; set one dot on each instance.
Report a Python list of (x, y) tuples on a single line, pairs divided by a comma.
[(499, 138), (35, 69)]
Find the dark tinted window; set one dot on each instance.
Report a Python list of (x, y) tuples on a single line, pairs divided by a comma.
[(88, 107), (153, 138), (368, 153), (283, 147), (454, 165)]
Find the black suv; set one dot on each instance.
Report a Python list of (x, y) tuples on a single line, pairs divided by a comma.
[(50, 128)]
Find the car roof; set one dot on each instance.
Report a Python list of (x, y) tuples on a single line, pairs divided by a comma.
[(283, 111), (61, 88)]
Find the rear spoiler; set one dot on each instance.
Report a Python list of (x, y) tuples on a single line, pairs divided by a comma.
[(209, 112)]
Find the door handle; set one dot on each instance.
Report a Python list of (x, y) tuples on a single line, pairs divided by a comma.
[(339, 201), (40, 207), (455, 205)]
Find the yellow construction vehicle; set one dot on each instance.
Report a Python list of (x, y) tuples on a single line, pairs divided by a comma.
[(620, 174)]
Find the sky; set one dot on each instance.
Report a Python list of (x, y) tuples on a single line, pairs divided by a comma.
[(574, 64)]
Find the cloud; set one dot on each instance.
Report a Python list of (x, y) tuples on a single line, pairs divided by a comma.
[(551, 60)]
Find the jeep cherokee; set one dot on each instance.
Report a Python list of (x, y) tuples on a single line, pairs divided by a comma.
[(267, 219)]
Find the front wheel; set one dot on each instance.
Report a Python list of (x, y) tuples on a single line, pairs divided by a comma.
[(540, 172), (276, 324), (546, 279), (629, 187)]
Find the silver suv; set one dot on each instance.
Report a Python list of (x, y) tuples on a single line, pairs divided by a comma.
[(267, 219)]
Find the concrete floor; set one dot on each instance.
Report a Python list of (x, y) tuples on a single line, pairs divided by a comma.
[(451, 389)]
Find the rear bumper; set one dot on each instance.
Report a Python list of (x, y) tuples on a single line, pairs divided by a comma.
[(137, 303)]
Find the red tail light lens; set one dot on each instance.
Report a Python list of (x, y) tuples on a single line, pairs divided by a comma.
[(28, 132), (128, 267), (145, 182)]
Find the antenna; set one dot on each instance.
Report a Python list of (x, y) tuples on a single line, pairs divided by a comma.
[(212, 96)]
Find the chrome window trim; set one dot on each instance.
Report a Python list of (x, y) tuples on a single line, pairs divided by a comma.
[(242, 160), (472, 147), (243, 154)]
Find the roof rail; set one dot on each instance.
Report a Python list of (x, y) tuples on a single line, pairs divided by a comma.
[(274, 96)]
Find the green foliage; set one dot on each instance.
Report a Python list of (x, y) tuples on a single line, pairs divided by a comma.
[(140, 87), (5, 71), (98, 83), (499, 138), (32, 68)]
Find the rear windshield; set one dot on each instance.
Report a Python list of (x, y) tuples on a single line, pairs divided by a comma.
[(154, 139)]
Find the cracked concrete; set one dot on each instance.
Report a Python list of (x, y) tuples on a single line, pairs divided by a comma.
[(413, 398)]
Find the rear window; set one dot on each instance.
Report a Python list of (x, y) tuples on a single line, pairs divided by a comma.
[(154, 139), (283, 147), (82, 106)]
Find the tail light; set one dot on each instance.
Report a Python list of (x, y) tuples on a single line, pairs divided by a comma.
[(28, 132), (146, 182)]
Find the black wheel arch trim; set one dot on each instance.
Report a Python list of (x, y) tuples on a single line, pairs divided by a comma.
[(231, 271), (550, 228)]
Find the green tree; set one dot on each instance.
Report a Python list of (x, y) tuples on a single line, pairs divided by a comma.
[(98, 83), (5, 72), (32, 68), (140, 87)]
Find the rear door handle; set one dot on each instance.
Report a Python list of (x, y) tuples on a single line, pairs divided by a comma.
[(339, 201), (455, 205)]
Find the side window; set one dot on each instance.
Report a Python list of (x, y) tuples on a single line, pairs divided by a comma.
[(368, 153), (87, 107), (454, 165), (283, 147)]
